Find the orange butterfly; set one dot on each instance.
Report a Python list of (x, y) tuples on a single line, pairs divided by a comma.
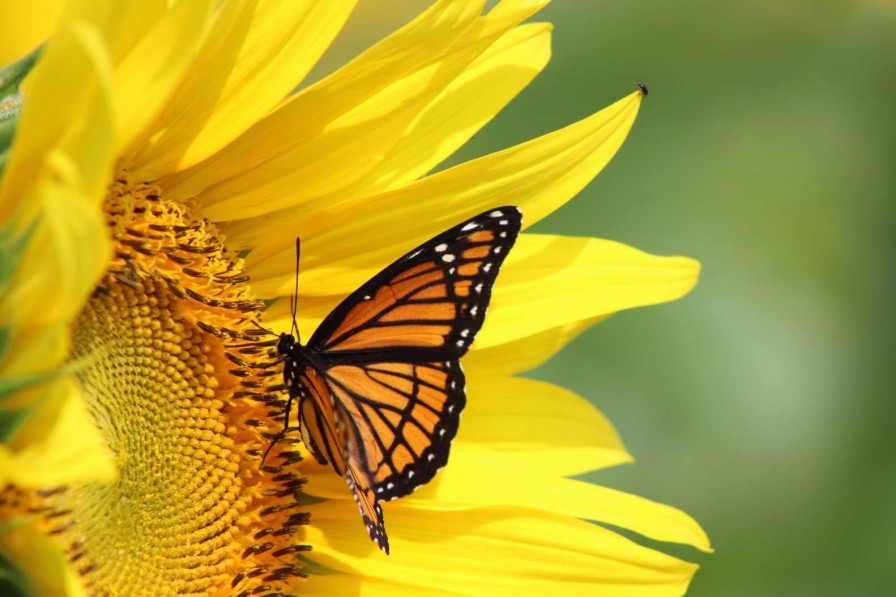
[(379, 385)]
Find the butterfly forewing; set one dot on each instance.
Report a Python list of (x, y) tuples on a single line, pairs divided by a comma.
[(382, 384), (434, 297)]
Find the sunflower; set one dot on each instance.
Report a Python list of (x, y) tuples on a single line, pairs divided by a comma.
[(160, 171)]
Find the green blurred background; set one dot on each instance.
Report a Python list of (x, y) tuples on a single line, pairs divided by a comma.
[(763, 403)]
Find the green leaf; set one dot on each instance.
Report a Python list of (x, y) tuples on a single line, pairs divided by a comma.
[(11, 421), (5, 341), (14, 385), (13, 582), (11, 76)]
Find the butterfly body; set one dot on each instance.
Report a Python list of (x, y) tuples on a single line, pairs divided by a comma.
[(379, 385)]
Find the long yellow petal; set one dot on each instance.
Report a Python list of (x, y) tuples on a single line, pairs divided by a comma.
[(150, 46), (491, 551), (255, 54), (523, 354), (480, 477), (539, 176), (148, 75), (25, 25), (66, 126), (464, 107), (59, 164), (334, 132), (356, 585), (58, 445), (120, 23), (552, 281), (64, 260), (548, 427)]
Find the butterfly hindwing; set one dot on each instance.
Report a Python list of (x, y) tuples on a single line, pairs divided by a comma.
[(323, 429), (407, 415), (382, 381)]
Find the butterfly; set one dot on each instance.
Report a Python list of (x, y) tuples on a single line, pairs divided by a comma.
[(379, 385)]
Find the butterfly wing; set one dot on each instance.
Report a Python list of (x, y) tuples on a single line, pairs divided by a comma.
[(405, 416), (323, 429), (389, 359), (430, 302)]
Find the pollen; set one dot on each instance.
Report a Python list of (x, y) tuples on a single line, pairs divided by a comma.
[(171, 357)]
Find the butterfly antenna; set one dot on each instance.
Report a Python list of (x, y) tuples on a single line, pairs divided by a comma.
[(294, 303)]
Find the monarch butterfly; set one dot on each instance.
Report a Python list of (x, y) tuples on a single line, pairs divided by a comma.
[(379, 384)]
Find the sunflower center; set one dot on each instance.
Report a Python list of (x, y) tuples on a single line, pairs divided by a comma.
[(151, 391), (170, 361)]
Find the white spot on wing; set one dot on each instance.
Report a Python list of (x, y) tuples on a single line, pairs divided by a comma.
[(496, 214), (469, 226), (447, 257), (503, 222), (496, 250), (486, 267), (441, 248)]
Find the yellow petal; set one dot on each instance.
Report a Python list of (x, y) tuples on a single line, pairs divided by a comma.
[(479, 477), (552, 281), (545, 426), (256, 53), (66, 129), (45, 567), (25, 25), (58, 445), (149, 47), (67, 255), (120, 23), (353, 584), (334, 132), (491, 551), (524, 354), (153, 68), (539, 176), (464, 107)]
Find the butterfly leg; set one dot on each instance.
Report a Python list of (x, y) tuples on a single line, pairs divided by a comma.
[(282, 431)]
